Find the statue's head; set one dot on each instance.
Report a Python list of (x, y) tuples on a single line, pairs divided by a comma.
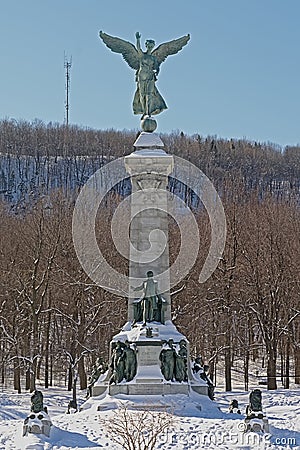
[(149, 44), (149, 274)]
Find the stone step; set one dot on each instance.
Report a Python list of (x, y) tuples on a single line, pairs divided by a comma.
[(149, 389), (150, 407), (149, 380)]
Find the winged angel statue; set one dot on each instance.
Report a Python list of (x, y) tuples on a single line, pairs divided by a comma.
[(147, 100)]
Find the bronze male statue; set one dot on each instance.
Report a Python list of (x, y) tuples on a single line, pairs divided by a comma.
[(151, 299)]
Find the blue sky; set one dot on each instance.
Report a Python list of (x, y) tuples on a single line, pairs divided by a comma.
[(239, 76)]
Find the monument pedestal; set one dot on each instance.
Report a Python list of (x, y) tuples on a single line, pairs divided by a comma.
[(149, 379), (162, 357)]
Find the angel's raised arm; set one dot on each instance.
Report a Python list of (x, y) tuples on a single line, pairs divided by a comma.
[(138, 41)]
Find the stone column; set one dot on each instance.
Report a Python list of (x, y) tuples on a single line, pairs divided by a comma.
[(149, 167)]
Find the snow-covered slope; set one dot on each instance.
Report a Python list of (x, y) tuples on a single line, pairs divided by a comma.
[(198, 423)]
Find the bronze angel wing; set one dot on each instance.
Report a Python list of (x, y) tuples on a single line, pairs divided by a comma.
[(170, 48), (117, 45)]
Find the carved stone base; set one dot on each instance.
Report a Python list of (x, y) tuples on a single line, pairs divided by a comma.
[(149, 379)]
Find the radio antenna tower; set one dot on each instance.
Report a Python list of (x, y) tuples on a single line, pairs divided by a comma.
[(67, 65)]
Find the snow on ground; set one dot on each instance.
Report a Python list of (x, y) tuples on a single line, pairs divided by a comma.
[(198, 422)]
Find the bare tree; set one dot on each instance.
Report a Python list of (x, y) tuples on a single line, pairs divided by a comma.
[(137, 430), (267, 276)]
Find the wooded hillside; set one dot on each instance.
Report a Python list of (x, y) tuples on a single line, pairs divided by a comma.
[(54, 320)]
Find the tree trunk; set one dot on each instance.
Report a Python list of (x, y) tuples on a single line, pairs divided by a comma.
[(27, 379), (297, 364), (286, 383), (47, 361), (35, 352), (212, 362), (282, 368), (17, 376), (51, 369), (271, 370), (2, 359), (46, 368), (74, 393), (228, 358), (228, 384), (3, 375), (212, 370), (38, 369), (255, 354), (70, 378), (82, 374), (32, 385), (47, 345), (246, 369)]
